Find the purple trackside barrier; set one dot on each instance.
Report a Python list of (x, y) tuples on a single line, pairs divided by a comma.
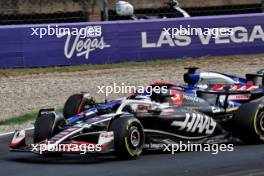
[(123, 41)]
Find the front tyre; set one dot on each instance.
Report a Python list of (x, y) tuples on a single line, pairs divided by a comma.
[(77, 103), (128, 137), (249, 122), (73, 105), (46, 126)]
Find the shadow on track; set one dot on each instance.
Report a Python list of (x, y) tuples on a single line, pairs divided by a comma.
[(71, 159)]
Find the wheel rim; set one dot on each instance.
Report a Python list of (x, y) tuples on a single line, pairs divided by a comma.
[(134, 140), (260, 124), (135, 137)]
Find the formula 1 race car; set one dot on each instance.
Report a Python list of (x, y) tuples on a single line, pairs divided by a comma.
[(128, 126)]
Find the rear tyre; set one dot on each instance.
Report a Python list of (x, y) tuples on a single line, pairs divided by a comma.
[(249, 122), (128, 137), (73, 105)]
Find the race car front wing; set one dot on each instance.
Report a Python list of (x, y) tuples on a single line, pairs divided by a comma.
[(60, 143)]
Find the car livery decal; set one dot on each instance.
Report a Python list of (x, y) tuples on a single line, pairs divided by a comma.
[(196, 122), (177, 97), (236, 87), (64, 134)]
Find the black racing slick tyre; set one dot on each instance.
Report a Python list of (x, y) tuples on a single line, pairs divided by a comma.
[(128, 137), (249, 123), (44, 127), (73, 105)]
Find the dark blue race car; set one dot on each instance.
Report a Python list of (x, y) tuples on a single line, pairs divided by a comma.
[(198, 79), (216, 81)]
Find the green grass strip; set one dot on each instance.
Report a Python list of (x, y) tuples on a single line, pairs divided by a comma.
[(20, 119), (31, 116)]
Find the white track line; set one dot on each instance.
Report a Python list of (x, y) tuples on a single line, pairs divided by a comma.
[(5, 134)]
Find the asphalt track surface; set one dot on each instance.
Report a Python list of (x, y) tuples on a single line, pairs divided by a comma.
[(244, 161)]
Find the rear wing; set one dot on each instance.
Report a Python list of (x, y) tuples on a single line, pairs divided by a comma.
[(214, 96)]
